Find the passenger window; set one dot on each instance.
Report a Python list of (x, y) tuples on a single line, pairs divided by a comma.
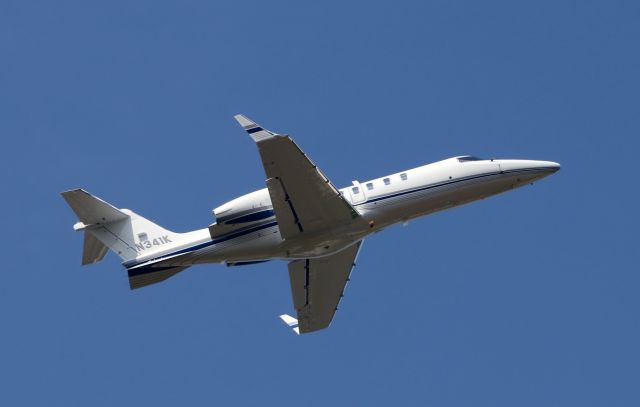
[(403, 176), (370, 186), (355, 190), (386, 181)]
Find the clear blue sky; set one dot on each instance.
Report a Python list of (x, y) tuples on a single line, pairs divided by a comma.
[(528, 299)]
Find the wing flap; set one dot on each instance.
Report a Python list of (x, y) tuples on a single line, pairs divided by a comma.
[(286, 214)]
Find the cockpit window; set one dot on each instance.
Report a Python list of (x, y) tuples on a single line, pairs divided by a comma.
[(469, 158)]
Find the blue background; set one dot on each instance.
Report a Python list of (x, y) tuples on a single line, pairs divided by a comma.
[(529, 298)]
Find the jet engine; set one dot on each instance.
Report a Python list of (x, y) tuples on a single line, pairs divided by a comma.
[(242, 213)]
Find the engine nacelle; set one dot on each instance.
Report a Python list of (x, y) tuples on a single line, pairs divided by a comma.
[(243, 212)]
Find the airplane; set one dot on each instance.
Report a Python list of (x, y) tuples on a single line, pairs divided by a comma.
[(300, 217)]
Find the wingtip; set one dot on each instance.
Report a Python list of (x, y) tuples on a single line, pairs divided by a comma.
[(243, 120), (256, 132), (288, 319), (73, 191), (291, 322)]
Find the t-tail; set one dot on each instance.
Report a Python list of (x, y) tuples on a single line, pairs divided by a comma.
[(125, 233)]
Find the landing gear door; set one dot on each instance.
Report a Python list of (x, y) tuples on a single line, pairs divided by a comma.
[(357, 193)]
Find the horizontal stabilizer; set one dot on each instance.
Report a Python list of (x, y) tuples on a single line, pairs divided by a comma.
[(90, 209)]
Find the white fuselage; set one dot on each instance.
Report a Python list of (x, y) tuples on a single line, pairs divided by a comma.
[(246, 229)]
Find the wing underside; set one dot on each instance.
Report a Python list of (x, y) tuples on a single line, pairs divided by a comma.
[(317, 286)]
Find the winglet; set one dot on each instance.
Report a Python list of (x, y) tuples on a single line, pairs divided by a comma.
[(256, 132), (291, 321)]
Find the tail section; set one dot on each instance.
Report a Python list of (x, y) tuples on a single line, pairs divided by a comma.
[(122, 231), (93, 250), (101, 223)]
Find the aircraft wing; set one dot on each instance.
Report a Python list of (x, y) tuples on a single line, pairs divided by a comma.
[(303, 198), (317, 286)]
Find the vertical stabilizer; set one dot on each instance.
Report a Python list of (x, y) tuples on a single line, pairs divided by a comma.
[(124, 232)]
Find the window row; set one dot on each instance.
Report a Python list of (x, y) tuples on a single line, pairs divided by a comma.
[(386, 181)]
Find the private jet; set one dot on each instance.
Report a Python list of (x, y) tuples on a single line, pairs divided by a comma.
[(300, 217)]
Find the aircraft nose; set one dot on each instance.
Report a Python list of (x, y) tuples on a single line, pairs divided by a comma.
[(550, 165), (527, 171), (530, 165)]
